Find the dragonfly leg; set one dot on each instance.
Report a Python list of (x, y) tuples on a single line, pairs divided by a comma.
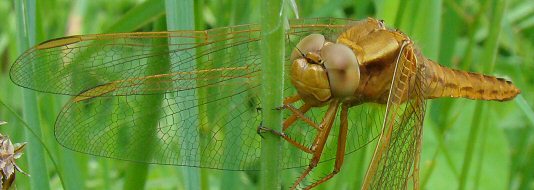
[(292, 99), (299, 113), (317, 147), (288, 121), (289, 100), (261, 129), (341, 144)]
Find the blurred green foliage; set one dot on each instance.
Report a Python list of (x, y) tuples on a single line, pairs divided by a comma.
[(453, 32)]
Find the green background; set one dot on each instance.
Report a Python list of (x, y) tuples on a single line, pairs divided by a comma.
[(467, 144)]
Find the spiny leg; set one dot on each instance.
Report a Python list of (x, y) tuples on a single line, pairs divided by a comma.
[(341, 144), (292, 99), (285, 137), (317, 147), (299, 113), (302, 110)]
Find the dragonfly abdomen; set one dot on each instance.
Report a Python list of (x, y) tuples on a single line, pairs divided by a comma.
[(446, 82)]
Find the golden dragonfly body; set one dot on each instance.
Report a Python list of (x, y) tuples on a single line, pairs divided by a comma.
[(360, 66), (384, 67)]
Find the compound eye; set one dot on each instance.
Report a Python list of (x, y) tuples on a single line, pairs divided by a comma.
[(310, 43), (342, 68), (338, 56)]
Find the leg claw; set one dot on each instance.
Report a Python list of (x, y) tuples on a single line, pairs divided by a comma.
[(283, 107), (261, 129)]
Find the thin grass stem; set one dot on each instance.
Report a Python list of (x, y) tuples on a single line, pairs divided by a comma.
[(272, 51)]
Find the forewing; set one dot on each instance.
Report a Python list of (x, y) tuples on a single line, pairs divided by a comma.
[(398, 149), (73, 65), (182, 98)]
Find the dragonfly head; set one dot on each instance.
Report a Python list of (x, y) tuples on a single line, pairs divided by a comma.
[(309, 48), (322, 69)]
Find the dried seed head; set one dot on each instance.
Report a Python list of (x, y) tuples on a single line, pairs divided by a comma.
[(9, 152)]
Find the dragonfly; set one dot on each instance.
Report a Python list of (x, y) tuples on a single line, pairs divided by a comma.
[(192, 98)]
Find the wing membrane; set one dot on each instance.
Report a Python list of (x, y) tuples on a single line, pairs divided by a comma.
[(396, 156), (97, 60), (201, 111)]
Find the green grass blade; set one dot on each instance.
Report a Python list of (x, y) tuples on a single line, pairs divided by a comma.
[(474, 23), (142, 14), (74, 165), (427, 28), (525, 107), (139, 16), (387, 10), (26, 11), (136, 174), (181, 16), (488, 58), (203, 110), (272, 53)]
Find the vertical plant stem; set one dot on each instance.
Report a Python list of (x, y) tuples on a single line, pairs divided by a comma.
[(181, 16), (440, 111), (473, 134), (199, 24), (481, 150), (137, 173), (426, 30), (272, 53), (488, 57), (26, 13), (74, 167), (471, 31)]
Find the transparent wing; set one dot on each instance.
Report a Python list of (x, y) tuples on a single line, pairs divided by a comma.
[(183, 98), (75, 64), (398, 150)]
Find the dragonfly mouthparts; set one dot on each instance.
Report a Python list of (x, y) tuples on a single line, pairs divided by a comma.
[(314, 58)]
